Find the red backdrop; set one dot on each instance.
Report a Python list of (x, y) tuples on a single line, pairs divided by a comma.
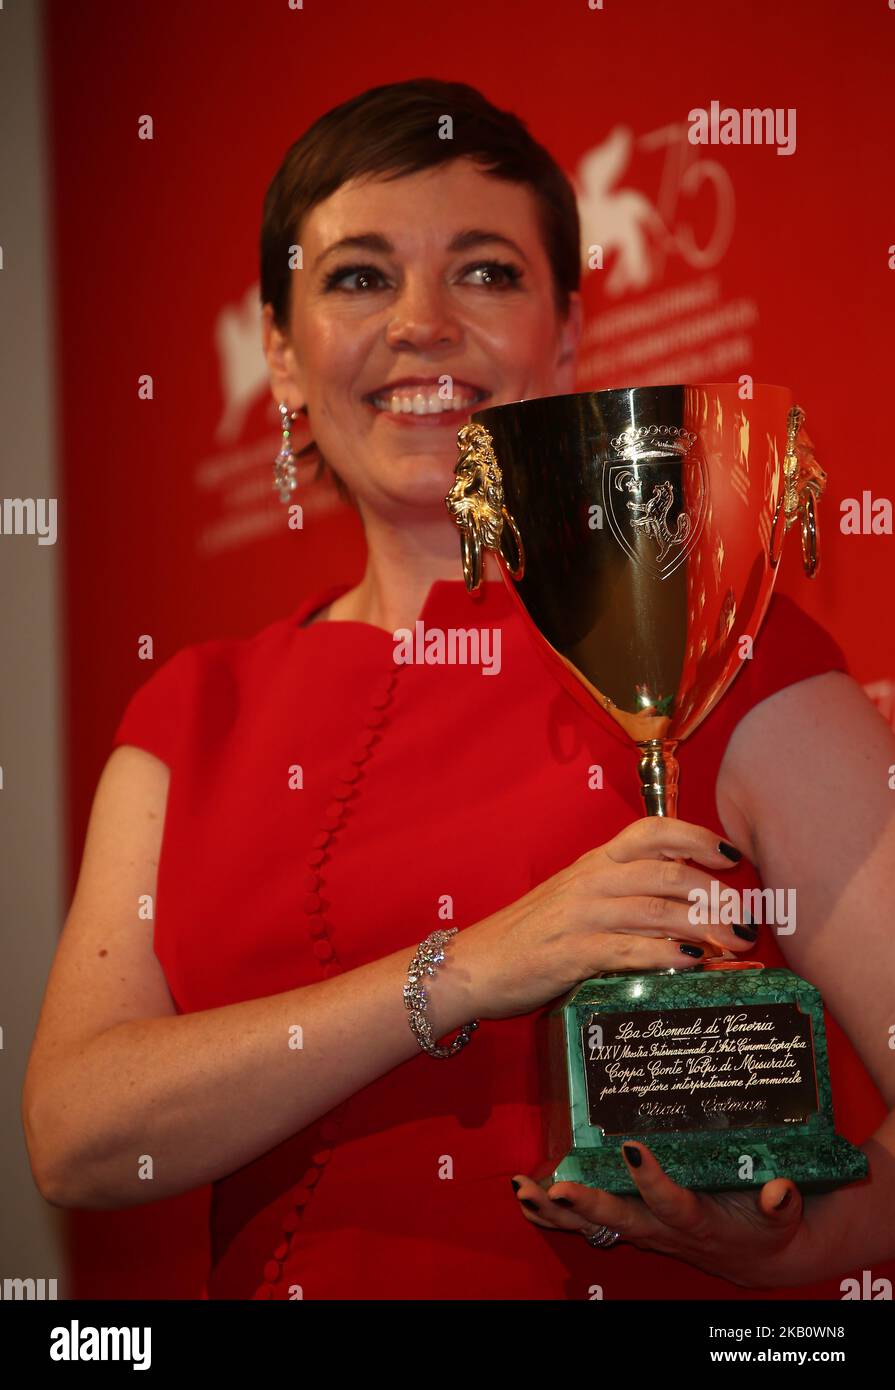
[(718, 260)]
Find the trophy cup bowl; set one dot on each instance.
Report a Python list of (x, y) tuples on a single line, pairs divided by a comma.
[(639, 531)]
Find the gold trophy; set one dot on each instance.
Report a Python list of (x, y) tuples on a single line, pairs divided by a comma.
[(639, 531)]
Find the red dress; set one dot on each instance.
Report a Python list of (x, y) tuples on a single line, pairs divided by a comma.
[(262, 889)]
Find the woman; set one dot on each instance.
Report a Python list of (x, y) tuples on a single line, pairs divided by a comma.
[(326, 809)]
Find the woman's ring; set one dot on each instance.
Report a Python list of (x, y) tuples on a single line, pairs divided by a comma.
[(602, 1236)]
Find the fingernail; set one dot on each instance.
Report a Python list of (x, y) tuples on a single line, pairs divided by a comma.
[(744, 932), (689, 950), (528, 1204), (729, 851), (562, 1201), (516, 1185), (784, 1200), (634, 1156)]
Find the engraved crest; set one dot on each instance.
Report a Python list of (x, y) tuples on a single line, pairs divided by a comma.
[(655, 496)]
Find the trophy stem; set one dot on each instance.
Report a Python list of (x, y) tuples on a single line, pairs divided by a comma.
[(659, 771)]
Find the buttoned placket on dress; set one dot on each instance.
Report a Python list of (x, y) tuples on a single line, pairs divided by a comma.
[(321, 852)]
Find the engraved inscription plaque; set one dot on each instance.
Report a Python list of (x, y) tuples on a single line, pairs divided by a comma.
[(724, 1067)]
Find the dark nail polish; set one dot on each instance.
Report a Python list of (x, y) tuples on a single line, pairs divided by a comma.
[(745, 933), (529, 1204), (516, 1185), (562, 1201), (729, 851), (689, 950), (634, 1156), (784, 1200)]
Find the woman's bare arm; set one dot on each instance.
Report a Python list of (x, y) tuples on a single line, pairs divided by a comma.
[(809, 769), (115, 1073), (808, 772), (116, 1077)]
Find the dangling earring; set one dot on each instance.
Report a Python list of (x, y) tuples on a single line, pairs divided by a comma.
[(285, 478)]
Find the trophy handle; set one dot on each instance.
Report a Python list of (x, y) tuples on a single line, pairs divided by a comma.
[(476, 504), (471, 556), (511, 546), (803, 483), (810, 536)]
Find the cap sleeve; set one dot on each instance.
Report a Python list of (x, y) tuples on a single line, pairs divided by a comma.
[(790, 647), (158, 713)]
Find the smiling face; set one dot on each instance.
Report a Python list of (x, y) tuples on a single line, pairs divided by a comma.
[(421, 299)]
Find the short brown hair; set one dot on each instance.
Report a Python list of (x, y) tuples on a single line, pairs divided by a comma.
[(393, 130)]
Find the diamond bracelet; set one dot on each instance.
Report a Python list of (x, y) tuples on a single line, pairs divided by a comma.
[(428, 956)]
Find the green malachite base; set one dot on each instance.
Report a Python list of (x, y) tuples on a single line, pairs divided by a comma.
[(707, 1164), (720, 1154)]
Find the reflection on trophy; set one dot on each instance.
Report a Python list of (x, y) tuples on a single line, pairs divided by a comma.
[(639, 531)]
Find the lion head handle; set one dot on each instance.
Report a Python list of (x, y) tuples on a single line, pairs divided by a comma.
[(803, 483), (476, 503)]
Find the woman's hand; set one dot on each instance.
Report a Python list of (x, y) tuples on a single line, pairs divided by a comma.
[(621, 906), (755, 1239)]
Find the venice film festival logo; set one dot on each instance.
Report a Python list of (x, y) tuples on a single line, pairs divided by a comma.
[(636, 235)]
